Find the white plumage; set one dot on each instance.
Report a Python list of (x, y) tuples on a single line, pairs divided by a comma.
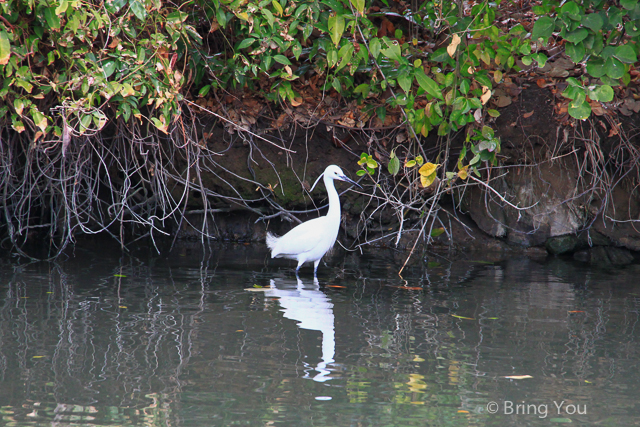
[(309, 241)]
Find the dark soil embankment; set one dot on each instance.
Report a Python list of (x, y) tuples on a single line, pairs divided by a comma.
[(561, 186)]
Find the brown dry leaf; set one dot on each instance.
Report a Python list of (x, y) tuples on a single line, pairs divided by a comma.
[(513, 90), (527, 115), (114, 43), (296, 102), (477, 115), (281, 120), (486, 95), (214, 26), (247, 120), (558, 72), (615, 129), (596, 108), (503, 101), (455, 41), (541, 82)]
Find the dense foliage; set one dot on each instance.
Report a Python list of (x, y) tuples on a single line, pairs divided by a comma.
[(69, 66)]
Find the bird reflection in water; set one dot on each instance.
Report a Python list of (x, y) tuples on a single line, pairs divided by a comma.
[(313, 310)]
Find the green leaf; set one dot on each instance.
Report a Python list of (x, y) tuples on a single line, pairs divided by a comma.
[(381, 112), (437, 232), (277, 7), (629, 4), (221, 17), (595, 67), (541, 58), (374, 47), (464, 86), (345, 53), (603, 93), (39, 119), (246, 43), (269, 16), (51, 18), (579, 110), (138, 9), (363, 89), (394, 164), (593, 21), (282, 59), (359, 5), (332, 58), (483, 79), (336, 28), (576, 36), (204, 90), (393, 52), (296, 49), (405, 80), (5, 48), (625, 53), (428, 84), (108, 67), (440, 55), (572, 10), (543, 28), (62, 8), (575, 51), (614, 68), (337, 85)]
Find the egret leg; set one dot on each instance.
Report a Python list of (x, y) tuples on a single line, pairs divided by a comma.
[(315, 268)]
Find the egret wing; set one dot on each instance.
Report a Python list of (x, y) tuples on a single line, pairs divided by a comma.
[(302, 238)]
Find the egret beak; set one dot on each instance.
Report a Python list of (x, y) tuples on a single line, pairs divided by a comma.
[(314, 184), (346, 179)]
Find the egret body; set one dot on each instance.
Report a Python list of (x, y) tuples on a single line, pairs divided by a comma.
[(309, 241)]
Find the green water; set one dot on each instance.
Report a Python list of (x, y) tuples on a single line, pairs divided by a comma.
[(229, 337)]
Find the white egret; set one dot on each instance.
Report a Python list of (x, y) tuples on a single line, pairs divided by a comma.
[(309, 241)]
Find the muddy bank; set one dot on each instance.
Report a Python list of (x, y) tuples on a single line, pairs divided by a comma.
[(561, 187)]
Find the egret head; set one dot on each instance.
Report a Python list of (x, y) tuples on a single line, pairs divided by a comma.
[(334, 172)]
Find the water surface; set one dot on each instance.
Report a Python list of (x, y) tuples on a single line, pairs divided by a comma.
[(229, 337)]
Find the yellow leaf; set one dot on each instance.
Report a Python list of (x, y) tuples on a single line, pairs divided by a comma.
[(463, 173), (427, 180), (455, 41), (5, 48), (18, 126), (428, 169), (486, 95), (277, 7), (41, 123), (518, 377), (497, 76), (243, 15)]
